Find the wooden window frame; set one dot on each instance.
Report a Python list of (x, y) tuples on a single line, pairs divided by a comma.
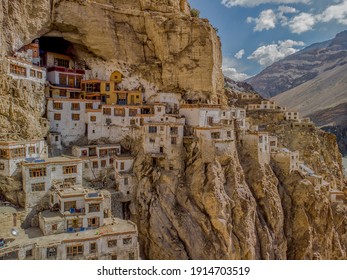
[(75, 106), (75, 117), (106, 111), (37, 172), (71, 169), (38, 187), (74, 250), (57, 117)]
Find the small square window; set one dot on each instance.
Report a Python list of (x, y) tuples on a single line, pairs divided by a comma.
[(57, 117)]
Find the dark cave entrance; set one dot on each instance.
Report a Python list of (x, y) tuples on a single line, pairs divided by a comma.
[(57, 45)]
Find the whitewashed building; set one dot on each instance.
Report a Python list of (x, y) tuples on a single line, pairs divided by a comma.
[(172, 101), (39, 175), (115, 122), (13, 153), (19, 68), (115, 240), (265, 105), (249, 96), (73, 209), (125, 179), (291, 116), (163, 137), (97, 159), (68, 117), (201, 115), (258, 145), (273, 143)]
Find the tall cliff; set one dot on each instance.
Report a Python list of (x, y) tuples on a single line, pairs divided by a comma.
[(157, 41), (215, 205)]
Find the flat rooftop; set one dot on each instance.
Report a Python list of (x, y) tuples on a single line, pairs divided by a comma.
[(112, 226), (98, 146), (57, 160)]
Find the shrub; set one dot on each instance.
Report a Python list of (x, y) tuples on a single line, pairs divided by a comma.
[(194, 12)]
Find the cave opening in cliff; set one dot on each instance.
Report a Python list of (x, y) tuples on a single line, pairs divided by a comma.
[(60, 49), (57, 45)]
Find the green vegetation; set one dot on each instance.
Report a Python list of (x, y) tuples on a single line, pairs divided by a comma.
[(194, 12)]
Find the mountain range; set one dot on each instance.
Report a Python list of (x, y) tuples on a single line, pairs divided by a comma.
[(301, 67), (313, 82)]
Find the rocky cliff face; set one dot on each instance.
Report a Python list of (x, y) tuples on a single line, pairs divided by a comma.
[(156, 41), (214, 205), (229, 206)]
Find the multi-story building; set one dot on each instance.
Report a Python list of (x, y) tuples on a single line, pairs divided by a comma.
[(32, 52), (163, 136), (19, 68), (13, 153), (201, 115), (265, 105), (74, 209), (108, 92), (115, 122), (125, 179), (249, 96), (39, 175), (258, 145), (291, 116), (116, 239), (273, 143), (97, 159), (68, 117), (64, 74), (172, 101)]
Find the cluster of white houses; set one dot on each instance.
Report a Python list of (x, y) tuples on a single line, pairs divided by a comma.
[(78, 221)]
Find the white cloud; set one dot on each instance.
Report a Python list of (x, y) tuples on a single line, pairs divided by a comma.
[(229, 68), (284, 15), (268, 54), (232, 73), (266, 20), (287, 10), (302, 23), (253, 3), (240, 54), (335, 12)]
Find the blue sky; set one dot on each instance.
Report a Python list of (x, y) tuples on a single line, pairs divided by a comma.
[(256, 33)]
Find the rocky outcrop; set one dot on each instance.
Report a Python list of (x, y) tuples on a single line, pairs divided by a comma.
[(156, 41), (21, 109)]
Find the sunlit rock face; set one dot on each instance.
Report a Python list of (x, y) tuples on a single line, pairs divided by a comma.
[(215, 205)]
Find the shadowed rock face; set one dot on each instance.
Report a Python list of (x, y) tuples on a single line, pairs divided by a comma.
[(216, 205)]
